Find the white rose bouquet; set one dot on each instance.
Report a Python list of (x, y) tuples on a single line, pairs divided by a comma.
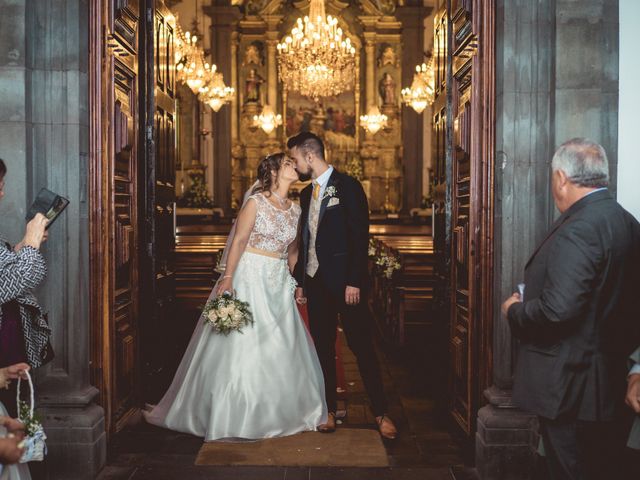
[(226, 314)]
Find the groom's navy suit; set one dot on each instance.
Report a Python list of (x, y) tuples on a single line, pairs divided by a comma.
[(341, 246)]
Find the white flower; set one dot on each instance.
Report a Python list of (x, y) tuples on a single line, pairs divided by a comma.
[(330, 192)]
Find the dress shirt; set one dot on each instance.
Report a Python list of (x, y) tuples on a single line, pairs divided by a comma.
[(323, 179)]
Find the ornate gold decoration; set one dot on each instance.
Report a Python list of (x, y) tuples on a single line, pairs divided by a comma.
[(314, 59), (421, 92)]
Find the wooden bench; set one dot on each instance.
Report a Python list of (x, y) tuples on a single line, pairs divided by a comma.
[(196, 256), (406, 300)]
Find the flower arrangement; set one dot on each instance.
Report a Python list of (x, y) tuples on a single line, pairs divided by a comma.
[(389, 264), (32, 424), (354, 168), (197, 195), (226, 314), (373, 248)]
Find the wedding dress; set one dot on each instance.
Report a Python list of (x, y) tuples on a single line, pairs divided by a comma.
[(266, 381)]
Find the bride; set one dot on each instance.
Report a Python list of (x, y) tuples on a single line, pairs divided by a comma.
[(266, 381)]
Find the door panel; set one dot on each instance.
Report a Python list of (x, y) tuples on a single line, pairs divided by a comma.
[(160, 204), (120, 171), (464, 172)]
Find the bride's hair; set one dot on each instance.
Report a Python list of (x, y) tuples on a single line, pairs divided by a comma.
[(270, 163)]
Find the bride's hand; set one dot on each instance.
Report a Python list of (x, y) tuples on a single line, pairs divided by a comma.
[(225, 285)]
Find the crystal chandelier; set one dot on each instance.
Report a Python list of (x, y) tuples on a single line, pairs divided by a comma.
[(373, 120), (314, 59), (421, 92), (267, 120), (196, 70), (216, 93)]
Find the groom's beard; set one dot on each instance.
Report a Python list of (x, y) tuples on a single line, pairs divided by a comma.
[(303, 177)]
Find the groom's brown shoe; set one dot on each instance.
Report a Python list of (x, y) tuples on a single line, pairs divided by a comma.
[(330, 426), (387, 428)]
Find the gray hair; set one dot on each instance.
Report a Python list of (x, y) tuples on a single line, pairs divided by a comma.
[(583, 161)]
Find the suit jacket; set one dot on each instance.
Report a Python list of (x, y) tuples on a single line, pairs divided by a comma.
[(634, 436), (342, 238), (581, 313)]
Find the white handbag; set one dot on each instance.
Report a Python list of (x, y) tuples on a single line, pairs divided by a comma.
[(34, 444)]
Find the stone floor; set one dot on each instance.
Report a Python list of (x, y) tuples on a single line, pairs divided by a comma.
[(425, 448)]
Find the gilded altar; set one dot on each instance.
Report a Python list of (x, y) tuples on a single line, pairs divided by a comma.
[(376, 34)]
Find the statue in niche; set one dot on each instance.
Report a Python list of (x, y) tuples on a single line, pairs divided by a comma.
[(387, 89), (388, 57), (252, 55), (252, 86)]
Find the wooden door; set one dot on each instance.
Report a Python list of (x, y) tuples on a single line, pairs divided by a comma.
[(464, 122), (115, 207), (123, 166), (158, 271)]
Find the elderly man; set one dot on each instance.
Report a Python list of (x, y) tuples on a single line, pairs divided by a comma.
[(578, 320)]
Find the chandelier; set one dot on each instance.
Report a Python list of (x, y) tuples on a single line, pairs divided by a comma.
[(216, 93), (267, 120), (193, 70), (314, 59), (197, 72), (421, 92), (373, 120)]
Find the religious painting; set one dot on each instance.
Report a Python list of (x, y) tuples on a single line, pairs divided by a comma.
[(339, 112)]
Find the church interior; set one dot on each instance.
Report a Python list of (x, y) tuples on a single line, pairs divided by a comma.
[(152, 116)]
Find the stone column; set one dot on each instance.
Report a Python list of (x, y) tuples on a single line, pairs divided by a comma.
[(412, 19), (223, 19), (506, 440), (586, 66), (44, 125)]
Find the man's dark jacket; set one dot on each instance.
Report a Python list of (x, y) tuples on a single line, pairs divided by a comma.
[(580, 319), (342, 238)]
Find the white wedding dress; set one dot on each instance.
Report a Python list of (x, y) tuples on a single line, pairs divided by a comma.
[(266, 381)]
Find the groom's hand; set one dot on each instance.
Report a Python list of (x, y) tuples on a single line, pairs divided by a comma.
[(300, 298), (351, 295)]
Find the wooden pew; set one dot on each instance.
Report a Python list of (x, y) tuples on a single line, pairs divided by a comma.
[(196, 255), (406, 300)]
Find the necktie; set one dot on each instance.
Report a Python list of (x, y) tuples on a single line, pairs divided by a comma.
[(316, 190)]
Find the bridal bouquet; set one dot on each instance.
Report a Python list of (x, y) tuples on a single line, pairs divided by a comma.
[(226, 314)]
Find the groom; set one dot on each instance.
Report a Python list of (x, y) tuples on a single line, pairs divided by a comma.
[(332, 272)]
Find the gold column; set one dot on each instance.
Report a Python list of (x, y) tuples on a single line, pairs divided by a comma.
[(234, 84), (272, 75), (370, 53)]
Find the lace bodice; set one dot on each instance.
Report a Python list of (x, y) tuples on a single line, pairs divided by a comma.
[(274, 229)]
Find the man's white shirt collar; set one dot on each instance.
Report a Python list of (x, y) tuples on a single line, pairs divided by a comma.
[(324, 178)]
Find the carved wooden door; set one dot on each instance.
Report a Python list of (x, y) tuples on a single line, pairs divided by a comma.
[(128, 179), (115, 210), (159, 281), (468, 201)]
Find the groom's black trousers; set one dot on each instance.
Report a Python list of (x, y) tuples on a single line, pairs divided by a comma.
[(324, 307)]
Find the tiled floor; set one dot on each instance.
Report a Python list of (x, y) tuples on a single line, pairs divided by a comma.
[(425, 448)]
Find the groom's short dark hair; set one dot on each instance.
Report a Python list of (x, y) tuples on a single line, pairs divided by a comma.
[(307, 142)]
